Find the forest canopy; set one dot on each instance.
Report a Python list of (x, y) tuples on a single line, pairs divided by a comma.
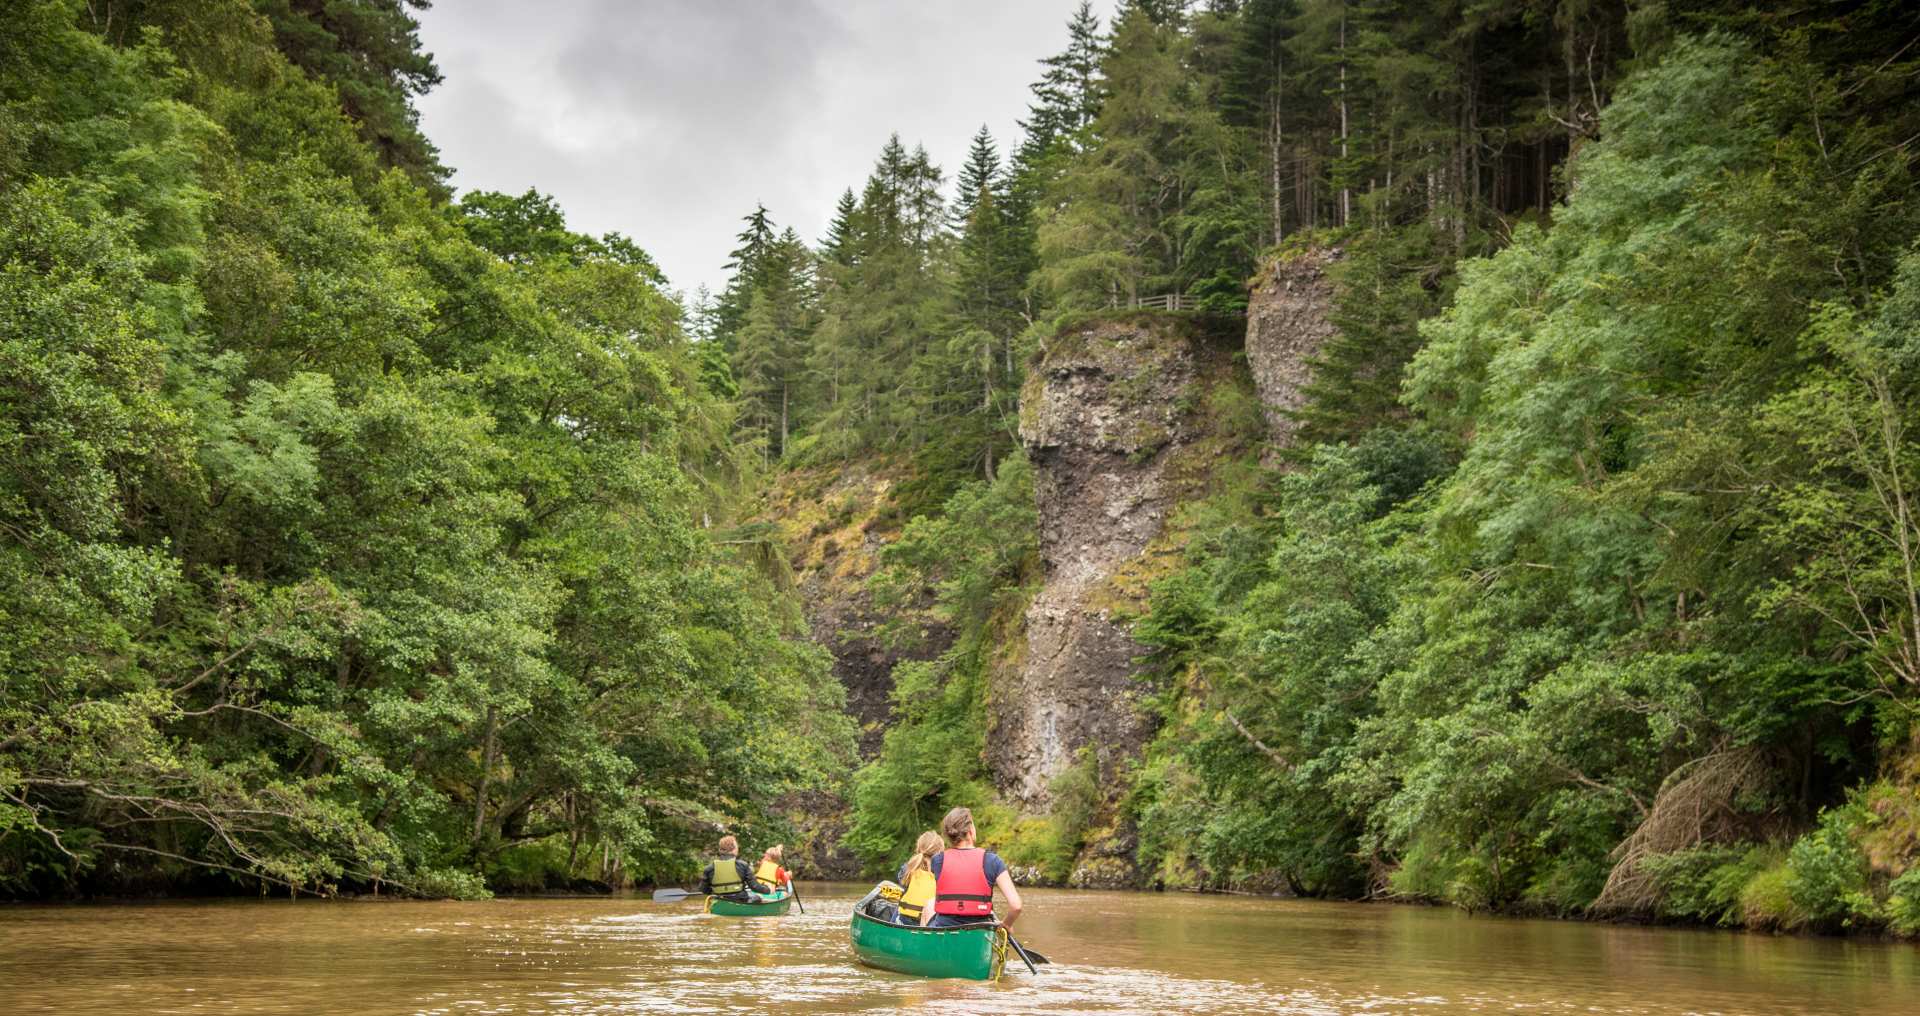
[(352, 538), (355, 535)]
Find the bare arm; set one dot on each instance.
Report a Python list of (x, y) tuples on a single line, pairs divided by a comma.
[(926, 914), (1005, 883)]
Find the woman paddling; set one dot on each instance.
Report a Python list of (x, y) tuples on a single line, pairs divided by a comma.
[(965, 877)]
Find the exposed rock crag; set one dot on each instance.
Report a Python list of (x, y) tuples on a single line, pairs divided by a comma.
[(1287, 324), (1111, 405), (832, 526)]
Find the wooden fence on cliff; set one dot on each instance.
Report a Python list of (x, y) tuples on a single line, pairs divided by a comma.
[(1168, 301)]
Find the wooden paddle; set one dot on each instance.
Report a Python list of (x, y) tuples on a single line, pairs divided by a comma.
[(794, 888), (674, 895)]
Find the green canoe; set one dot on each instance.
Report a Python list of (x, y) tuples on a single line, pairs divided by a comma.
[(977, 953), (772, 906)]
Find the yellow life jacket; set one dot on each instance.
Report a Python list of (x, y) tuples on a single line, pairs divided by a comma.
[(919, 893), (769, 873), (726, 877)]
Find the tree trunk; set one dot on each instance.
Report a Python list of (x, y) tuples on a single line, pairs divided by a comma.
[(1274, 140), (489, 746), (1346, 193), (573, 834), (986, 400)]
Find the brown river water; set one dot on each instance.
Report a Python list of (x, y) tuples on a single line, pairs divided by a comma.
[(1111, 952)]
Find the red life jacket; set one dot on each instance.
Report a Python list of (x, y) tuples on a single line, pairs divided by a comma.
[(962, 890)]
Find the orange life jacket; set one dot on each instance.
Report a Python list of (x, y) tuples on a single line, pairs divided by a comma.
[(962, 889)]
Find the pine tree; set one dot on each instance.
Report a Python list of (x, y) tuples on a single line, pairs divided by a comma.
[(980, 173), (881, 304), (755, 241), (369, 50), (837, 245), (1254, 96), (1105, 235), (989, 276), (1389, 280), (769, 360), (1067, 94)]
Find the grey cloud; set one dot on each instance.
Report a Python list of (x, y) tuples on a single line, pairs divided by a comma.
[(669, 119)]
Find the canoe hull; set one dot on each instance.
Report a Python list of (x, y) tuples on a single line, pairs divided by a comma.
[(976, 954), (775, 907)]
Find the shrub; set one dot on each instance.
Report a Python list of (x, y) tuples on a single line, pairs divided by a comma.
[(1472, 886), (1767, 905), (1423, 873), (1706, 883), (1903, 903), (1034, 843), (448, 883), (530, 867), (1076, 799), (1828, 873)]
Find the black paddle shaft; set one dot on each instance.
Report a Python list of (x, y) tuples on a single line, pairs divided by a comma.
[(1028, 960)]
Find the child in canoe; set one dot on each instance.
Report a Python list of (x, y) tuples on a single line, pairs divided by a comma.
[(770, 870), (917, 876)]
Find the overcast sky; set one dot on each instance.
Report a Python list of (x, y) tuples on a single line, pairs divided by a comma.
[(667, 120)]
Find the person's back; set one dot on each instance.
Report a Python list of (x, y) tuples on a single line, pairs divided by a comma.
[(728, 877), (965, 877), (916, 875)]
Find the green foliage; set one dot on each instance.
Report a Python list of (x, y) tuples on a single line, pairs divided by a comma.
[(1766, 902), (449, 883), (1644, 458), (1257, 644), (1034, 845), (369, 52), (1076, 799), (968, 565), (1827, 876), (347, 540), (1709, 884), (1903, 903), (1386, 283)]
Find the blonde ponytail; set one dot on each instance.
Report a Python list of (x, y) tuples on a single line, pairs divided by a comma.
[(928, 845)]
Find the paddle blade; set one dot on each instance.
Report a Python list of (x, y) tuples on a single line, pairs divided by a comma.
[(1031, 955), (672, 895)]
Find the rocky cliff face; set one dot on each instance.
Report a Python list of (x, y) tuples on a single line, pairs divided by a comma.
[(1287, 324), (1125, 419), (831, 525), (1110, 418)]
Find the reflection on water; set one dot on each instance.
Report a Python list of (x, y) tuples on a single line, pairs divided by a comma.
[(1112, 952)]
